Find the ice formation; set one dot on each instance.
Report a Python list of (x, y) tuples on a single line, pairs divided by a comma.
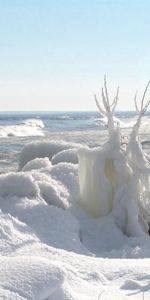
[(115, 179), (42, 149), (69, 155), (37, 163)]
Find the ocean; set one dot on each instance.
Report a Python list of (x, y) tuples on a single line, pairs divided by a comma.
[(20, 128)]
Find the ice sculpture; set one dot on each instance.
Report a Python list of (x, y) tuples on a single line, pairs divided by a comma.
[(116, 180)]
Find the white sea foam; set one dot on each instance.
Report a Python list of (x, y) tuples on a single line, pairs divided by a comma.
[(30, 127)]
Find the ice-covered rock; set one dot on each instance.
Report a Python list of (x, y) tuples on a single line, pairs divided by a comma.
[(69, 155), (37, 163), (42, 149)]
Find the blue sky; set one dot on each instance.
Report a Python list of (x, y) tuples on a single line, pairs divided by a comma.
[(54, 54)]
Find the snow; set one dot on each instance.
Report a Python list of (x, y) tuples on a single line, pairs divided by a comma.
[(74, 231), (19, 184), (40, 276), (37, 163)]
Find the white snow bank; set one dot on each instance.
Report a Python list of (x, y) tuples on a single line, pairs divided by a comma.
[(45, 222), (37, 163), (42, 149), (30, 277), (69, 155), (9, 295), (67, 174), (18, 184), (67, 293), (101, 235), (31, 127), (54, 193), (14, 234)]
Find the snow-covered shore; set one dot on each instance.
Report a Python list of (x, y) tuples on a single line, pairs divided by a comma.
[(51, 248)]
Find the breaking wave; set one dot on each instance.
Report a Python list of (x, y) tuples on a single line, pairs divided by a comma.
[(29, 127)]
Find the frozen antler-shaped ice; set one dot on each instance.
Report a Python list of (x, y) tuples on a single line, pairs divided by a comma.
[(134, 148), (140, 179), (140, 110), (109, 108), (97, 174), (114, 180)]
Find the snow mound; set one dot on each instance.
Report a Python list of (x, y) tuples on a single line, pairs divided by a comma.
[(67, 174), (54, 193), (45, 223), (67, 294), (42, 149), (69, 155), (14, 233), (9, 295), (31, 277), (101, 235), (37, 163), (18, 184)]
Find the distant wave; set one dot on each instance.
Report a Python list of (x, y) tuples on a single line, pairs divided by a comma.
[(122, 124), (66, 118), (125, 123), (29, 127), (33, 123)]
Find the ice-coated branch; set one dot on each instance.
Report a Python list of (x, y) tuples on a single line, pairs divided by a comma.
[(99, 107), (115, 101), (134, 149), (135, 102), (106, 91), (144, 94), (109, 108), (140, 110)]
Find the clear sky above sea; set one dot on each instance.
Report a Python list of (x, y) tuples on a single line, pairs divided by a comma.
[(54, 53)]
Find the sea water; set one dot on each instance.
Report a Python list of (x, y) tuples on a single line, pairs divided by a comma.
[(20, 128)]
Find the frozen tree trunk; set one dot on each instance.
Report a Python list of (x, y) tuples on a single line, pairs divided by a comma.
[(97, 175), (94, 195), (140, 179)]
